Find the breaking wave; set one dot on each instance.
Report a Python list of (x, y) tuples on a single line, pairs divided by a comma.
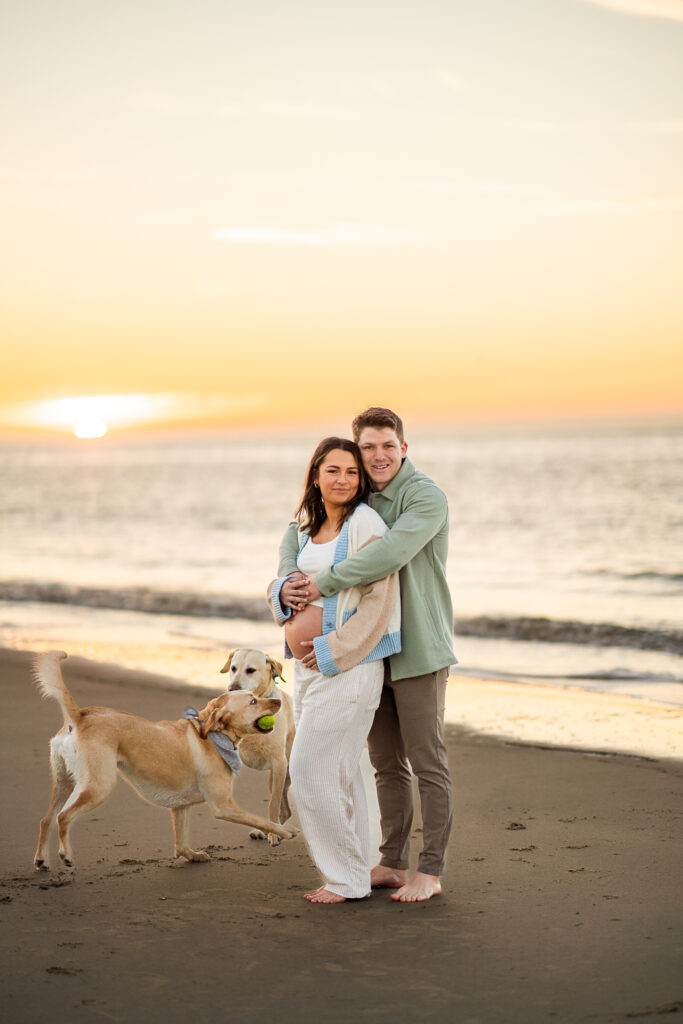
[(568, 631), (227, 606), (646, 574), (139, 599)]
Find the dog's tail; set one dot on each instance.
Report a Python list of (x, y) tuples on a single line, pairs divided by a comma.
[(48, 678)]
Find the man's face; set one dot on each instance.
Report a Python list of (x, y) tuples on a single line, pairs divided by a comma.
[(382, 454)]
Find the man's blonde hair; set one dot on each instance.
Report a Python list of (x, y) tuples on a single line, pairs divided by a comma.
[(379, 418)]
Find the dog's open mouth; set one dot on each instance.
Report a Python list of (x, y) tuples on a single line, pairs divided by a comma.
[(264, 723)]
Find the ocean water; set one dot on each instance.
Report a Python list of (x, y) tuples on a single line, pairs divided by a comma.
[(566, 553)]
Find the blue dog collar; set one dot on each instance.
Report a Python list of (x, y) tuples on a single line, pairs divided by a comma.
[(223, 744)]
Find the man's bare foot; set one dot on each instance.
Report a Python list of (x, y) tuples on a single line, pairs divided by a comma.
[(324, 895), (420, 887), (387, 878)]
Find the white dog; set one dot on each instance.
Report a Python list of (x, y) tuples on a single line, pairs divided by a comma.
[(255, 672)]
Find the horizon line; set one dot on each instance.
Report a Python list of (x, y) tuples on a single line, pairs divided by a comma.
[(473, 421)]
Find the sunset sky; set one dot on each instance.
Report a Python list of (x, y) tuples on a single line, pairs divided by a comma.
[(272, 212)]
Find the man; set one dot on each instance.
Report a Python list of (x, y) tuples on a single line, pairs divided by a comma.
[(408, 725)]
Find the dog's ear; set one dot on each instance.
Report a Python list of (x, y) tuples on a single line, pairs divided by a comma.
[(226, 667), (211, 715), (275, 667)]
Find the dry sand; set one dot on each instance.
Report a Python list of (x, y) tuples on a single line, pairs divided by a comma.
[(561, 898)]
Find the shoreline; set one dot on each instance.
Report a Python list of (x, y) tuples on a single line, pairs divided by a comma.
[(558, 894), (567, 718), (557, 717), (222, 606)]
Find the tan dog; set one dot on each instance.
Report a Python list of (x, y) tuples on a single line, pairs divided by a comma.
[(255, 672), (172, 764)]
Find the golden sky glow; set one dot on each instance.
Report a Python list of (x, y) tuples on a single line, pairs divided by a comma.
[(265, 212)]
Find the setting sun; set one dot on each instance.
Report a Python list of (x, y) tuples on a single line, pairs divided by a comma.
[(90, 426), (92, 416), (89, 416)]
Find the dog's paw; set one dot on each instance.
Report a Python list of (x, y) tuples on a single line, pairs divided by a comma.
[(192, 855), (66, 861), (200, 856), (273, 839), (256, 833), (293, 832), (40, 864)]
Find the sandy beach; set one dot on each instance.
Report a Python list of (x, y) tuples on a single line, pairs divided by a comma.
[(561, 898)]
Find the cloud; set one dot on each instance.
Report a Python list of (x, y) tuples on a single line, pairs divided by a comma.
[(40, 176), (671, 201), (669, 127), (379, 87), (158, 219), (425, 186), (170, 105), (612, 206), (289, 110), (166, 103), (671, 9), (449, 80), (336, 235)]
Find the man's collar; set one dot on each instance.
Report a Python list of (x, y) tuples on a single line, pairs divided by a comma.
[(405, 472)]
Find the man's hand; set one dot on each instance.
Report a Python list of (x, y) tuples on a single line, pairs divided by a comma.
[(294, 593), (310, 661)]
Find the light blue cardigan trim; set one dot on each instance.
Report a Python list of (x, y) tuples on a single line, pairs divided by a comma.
[(326, 663), (389, 644), (281, 614)]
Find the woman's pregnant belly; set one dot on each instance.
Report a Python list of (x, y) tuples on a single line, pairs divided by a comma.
[(304, 626)]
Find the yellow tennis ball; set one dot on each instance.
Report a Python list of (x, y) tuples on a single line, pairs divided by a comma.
[(266, 723)]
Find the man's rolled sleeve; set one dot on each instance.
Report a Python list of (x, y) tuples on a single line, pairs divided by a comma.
[(289, 550)]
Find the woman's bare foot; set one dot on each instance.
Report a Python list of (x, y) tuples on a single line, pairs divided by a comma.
[(314, 892), (420, 887), (324, 895), (387, 878)]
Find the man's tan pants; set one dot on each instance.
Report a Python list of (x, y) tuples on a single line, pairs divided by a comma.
[(407, 731)]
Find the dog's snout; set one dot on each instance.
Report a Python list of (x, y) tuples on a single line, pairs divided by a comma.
[(234, 686)]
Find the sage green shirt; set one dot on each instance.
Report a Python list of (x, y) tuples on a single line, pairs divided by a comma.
[(416, 546)]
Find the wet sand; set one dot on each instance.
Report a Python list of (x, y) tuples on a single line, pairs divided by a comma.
[(561, 898)]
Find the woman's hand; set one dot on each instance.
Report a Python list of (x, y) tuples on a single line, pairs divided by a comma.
[(294, 592), (310, 660)]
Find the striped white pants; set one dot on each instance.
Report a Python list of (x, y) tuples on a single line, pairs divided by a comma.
[(333, 715)]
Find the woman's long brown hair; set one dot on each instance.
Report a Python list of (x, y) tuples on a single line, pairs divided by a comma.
[(311, 512)]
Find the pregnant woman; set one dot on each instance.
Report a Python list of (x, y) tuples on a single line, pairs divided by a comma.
[(339, 643)]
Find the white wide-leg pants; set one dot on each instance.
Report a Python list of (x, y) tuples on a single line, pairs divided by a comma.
[(333, 715)]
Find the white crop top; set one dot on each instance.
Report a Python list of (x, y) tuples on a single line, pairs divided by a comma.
[(314, 558)]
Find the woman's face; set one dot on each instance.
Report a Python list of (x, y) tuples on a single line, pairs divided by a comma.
[(338, 478)]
